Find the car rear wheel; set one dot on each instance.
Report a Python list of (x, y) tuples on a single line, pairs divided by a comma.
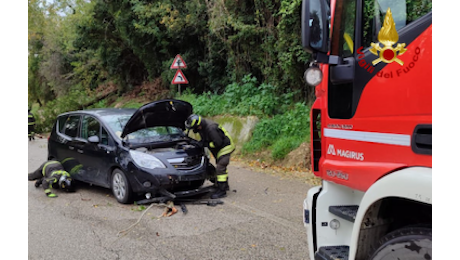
[(121, 188)]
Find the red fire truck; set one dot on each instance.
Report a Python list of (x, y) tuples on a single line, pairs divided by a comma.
[(371, 126)]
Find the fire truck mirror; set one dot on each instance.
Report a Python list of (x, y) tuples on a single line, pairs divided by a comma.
[(315, 25)]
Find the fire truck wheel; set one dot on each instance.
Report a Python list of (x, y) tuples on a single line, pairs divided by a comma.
[(408, 243)]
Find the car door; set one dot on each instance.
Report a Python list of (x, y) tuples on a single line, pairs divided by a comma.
[(96, 155), (68, 135), (58, 143)]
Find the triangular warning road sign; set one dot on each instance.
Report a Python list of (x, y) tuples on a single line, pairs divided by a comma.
[(178, 63), (179, 78)]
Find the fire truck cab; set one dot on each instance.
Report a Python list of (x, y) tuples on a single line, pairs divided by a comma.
[(371, 126)]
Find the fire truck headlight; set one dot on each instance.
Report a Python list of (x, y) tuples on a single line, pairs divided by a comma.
[(313, 76)]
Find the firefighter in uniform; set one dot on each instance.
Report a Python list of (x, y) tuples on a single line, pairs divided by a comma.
[(51, 174), (221, 145), (31, 126)]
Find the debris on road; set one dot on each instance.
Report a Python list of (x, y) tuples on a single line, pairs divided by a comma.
[(169, 210), (126, 231)]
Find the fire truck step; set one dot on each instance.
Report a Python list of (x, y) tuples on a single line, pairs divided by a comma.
[(332, 253), (345, 212)]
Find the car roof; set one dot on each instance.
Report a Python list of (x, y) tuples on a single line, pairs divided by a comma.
[(102, 111)]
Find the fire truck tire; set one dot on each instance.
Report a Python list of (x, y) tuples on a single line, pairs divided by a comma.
[(408, 243)]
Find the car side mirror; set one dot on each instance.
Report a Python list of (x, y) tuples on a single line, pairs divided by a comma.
[(93, 139)]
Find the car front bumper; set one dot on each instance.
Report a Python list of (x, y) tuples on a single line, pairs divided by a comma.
[(151, 180)]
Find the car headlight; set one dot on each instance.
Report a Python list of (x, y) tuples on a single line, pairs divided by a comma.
[(146, 160)]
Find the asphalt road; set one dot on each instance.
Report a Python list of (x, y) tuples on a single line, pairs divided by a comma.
[(261, 220)]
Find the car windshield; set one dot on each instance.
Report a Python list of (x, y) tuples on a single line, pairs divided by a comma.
[(146, 135)]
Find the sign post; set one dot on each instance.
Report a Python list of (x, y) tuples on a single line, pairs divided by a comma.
[(179, 77)]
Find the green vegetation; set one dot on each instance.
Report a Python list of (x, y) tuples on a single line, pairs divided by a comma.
[(243, 58), (283, 126), (83, 44), (243, 99), (282, 133)]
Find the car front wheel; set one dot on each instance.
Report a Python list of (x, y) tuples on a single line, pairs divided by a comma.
[(121, 188)]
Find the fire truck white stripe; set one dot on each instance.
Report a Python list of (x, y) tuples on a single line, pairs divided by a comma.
[(382, 138)]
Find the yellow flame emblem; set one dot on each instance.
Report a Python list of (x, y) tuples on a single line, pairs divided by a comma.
[(388, 36)]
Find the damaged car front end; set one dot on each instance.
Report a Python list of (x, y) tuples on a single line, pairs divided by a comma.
[(142, 152), (175, 168)]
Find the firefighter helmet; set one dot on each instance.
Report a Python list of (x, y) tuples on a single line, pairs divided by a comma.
[(193, 121), (66, 183)]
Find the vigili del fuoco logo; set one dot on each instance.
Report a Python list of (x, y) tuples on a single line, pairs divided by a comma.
[(388, 36), (386, 52)]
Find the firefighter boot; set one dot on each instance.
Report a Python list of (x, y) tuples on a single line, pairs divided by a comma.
[(221, 191), (38, 183)]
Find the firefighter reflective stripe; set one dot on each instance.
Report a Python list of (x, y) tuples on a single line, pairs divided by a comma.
[(75, 168), (31, 117), (222, 177), (211, 144), (49, 193), (67, 159), (229, 148), (226, 150), (46, 164), (195, 121), (60, 172)]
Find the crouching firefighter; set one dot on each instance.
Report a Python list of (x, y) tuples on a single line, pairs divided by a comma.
[(221, 145), (51, 174)]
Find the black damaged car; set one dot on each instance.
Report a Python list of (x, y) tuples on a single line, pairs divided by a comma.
[(133, 152)]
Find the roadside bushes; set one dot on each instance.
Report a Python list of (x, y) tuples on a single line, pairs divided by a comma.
[(283, 124), (281, 133), (244, 99)]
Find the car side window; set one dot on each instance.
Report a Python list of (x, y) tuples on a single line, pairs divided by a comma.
[(61, 124), (90, 126), (71, 126), (104, 137)]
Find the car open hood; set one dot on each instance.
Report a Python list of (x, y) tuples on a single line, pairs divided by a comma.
[(167, 112)]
